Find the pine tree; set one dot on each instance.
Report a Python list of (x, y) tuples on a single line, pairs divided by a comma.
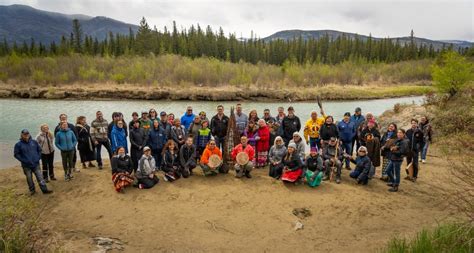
[(77, 35)]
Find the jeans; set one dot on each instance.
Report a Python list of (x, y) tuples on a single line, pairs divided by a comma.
[(220, 142), (67, 158), (347, 147), (135, 155), (413, 158), (106, 144), (424, 150), (156, 153), (355, 141), (39, 177), (314, 142), (48, 165), (393, 172)]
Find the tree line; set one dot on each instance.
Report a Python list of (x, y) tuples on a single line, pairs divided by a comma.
[(197, 42)]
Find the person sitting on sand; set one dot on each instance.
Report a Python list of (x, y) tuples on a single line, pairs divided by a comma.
[(276, 155), (145, 173), (28, 152), (187, 157), (122, 169), (331, 160), (170, 162), (314, 168), (210, 149), (397, 152), (292, 166), (361, 172), (245, 169)]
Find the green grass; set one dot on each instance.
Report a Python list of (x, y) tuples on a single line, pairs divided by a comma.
[(449, 238)]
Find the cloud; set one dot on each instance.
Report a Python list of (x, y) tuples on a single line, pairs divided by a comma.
[(382, 18)]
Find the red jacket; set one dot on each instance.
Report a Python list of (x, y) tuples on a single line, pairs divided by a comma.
[(237, 149), (264, 143)]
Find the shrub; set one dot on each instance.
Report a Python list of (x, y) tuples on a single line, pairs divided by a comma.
[(452, 73)]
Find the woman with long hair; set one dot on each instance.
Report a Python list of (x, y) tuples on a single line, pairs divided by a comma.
[(170, 161), (121, 170), (387, 141), (45, 140), (292, 166), (84, 142)]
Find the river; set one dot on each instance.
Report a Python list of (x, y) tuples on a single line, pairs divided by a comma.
[(16, 114)]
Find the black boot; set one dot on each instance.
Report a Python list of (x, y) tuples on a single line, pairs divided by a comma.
[(393, 189), (247, 174)]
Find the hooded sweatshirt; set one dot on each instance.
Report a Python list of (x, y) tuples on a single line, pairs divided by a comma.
[(187, 119), (277, 152), (146, 166), (118, 138)]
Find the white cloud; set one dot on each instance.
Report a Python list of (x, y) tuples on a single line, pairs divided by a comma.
[(429, 19)]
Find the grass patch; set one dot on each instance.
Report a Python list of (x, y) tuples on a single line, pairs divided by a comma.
[(453, 237)]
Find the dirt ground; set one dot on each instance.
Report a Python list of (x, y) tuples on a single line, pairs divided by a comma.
[(226, 214)]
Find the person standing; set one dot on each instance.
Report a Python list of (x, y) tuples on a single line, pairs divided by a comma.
[(397, 152), (116, 117), (279, 120), (263, 143), (85, 145), (203, 137), (119, 137), (253, 116), (241, 119), (347, 132), (311, 129), (219, 127), (63, 117), (28, 152), (99, 130), (328, 130), (427, 130), (415, 140), (188, 117), (178, 133), (145, 122), (267, 116), (65, 140), (357, 119), (45, 140), (387, 141), (193, 129), (290, 124), (138, 139), (153, 115), (134, 119), (156, 141), (166, 124)]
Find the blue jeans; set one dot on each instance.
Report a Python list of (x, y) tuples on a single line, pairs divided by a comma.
[(347, 147), (393, 172), (314, 142), (39, 177), (424, 150), (98, 150)]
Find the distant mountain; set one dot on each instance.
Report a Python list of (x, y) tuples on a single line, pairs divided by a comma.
[(317, 34), (21, 23)]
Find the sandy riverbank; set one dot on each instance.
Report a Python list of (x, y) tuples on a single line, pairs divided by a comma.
[(223, 93)]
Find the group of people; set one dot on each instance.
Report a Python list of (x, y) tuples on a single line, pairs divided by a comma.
[(176, 146)]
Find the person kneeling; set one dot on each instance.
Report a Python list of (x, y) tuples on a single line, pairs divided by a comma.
[(243, 165), (121, 170), (314, 165), (363, 165), (145, 173), (170, 162), (209, 167), (332, 155), (187, 157), (292, 169)]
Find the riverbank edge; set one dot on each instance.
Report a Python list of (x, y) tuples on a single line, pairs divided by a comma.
[(107, 91)]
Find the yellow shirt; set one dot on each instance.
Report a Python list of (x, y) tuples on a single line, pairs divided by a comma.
[(311, 128)]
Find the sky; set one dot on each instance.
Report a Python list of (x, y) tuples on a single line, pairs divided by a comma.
[(433, 19)]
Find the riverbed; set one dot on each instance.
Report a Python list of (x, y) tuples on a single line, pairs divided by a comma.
[(17, 114)]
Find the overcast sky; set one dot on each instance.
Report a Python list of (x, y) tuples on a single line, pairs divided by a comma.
[(430, 19)]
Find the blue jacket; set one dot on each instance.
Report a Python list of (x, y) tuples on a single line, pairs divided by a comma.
[(347, 131), (187, 119), (118, 138), (157, 138), (65, 140), (28, 153), (357, 120)]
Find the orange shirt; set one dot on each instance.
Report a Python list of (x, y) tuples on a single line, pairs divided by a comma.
[(208, 152)]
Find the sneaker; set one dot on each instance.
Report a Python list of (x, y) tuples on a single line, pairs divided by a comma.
[(165, 178), (393, 189), (67, 179), (423, 161), (419, 159), (390, 184), (141, 186), (53, 179), (100, 167), (47, 192), (338, 180), (76, 169), (32, 193), (46, 180), (239, 174)]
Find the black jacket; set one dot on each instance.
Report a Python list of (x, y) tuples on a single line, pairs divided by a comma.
[(138, 138), (314, 163), (187, 155), (289, 126), (400, 151), (415, 138), (294, 163), (219, 126), (121, 164), (327, 131), (365, 132), (170, 161)]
